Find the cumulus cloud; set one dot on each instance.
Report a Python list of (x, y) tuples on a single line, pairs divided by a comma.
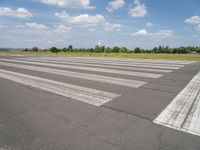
[(84, 20), (159, 34), (32, 25), (149, 24), (63, 28), (88, 21), (112, 26), (114, 5), (198, 28), (18, 13), (141, 32), (193, 20), (36, 26), (138, 10), (164, 33), (69, 3)]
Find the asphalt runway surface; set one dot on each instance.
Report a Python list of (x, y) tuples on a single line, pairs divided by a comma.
[(74, 103)]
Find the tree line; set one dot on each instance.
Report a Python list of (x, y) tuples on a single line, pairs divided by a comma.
[(103, 49)]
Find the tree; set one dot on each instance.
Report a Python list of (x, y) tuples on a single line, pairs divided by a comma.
[(160, 49), (64, 49), (108, 50), (102, 49), (54, 50), (70, 48), (123, 50), (35, 49), (137, 50), (99, 49), (155, 50), (96, 49), (116, 49)]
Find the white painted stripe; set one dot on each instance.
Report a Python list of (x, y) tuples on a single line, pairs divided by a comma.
[(123, 60), (145, 60), (117, 64), (130, 73), (87, 95), (183, 113), (103, 66), (92, 77), (114, 62)]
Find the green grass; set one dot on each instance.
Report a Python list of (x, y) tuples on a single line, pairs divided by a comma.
[(195, 57)]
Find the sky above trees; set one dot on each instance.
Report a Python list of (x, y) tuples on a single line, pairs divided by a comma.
[(86, 23)]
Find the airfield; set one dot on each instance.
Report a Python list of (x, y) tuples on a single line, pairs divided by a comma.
[(88, 103)]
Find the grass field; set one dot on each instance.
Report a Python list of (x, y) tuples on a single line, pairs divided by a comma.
[(195, 57)]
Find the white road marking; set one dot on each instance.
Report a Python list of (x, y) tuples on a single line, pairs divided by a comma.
[(123, 60), (84, 94), (183, 113), (129, 64), (130, 73), (97, 65), (136, 60), (114, 62), (100, 78)]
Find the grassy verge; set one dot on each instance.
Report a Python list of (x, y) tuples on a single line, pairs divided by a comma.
[(195, 57)]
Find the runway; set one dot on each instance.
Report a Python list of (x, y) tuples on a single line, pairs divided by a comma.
[(98, 103)]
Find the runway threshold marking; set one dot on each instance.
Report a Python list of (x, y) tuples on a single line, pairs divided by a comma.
[(122, 72), (129, 65), (116, 62), (183, 113), (92, 77), (100, 65), (181, 62), (84, 94)]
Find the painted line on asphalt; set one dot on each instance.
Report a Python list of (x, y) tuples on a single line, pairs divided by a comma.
[(92, 77), (122, 72), (115, 62), (181, 62), (147, 65), (183, 113), (136, 60), (83, 94), (103, 66)]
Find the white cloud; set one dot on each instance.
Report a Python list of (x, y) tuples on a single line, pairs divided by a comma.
[(32, 25), (69, 3), (116, 4), (112, 26), (138, 10), (83, 20), (88, 21), (198, 28), (36, 26), (92, 29), (18, 13), (149, 24), (164, 33), (63, 28), (159, 34), (141, 32), (193, 20)]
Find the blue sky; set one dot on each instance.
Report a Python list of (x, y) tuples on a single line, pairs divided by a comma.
[(85, 23)]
